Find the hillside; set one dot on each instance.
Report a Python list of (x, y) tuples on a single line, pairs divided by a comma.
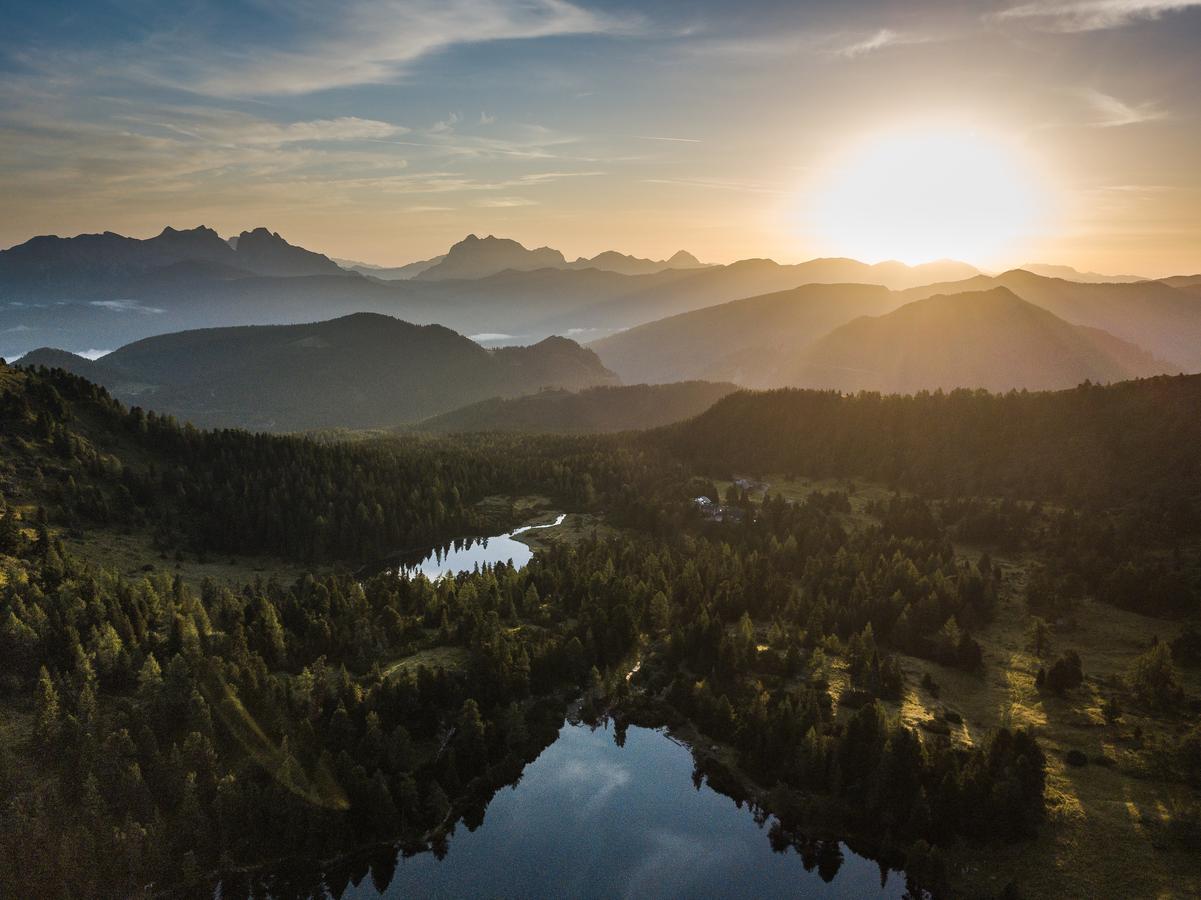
[(1128, 442), (358, 371), (1156, 316), (740, 340), (600, 409), (982, 339)]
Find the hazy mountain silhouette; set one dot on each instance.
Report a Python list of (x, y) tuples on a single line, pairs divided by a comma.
[(1067, 273), (1154, 315), (390, 273), (612, 261), (103, 291), (1181, 280), (476, 257), (740, 340), (599, 409), (264, 252), (358, 371), (981, 339), (92, 261)]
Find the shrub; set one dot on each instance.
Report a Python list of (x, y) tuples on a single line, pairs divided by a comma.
[(1065, 673)]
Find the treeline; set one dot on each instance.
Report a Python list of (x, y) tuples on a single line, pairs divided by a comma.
[(236, 492), (1128, 443)]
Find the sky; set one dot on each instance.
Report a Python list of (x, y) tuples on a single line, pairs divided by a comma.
[(385, 131)]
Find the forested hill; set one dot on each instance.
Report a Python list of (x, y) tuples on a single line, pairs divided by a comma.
[(1136, 440), (357, 371), (600, 409), (67, 447)]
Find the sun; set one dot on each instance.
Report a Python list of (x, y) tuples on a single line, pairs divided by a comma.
[(926, 194)]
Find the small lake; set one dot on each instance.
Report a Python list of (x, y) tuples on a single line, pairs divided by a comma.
[(468, 554), (590, 818)]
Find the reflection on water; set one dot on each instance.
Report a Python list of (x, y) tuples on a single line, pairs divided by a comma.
[(469, 553), (592, 818)]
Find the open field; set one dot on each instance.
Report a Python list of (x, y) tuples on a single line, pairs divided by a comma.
[(129, 553), (432, 658)]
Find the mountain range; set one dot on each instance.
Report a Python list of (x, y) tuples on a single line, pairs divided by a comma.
[(748, 341), (476, 257), (358, 371), (102, 291)]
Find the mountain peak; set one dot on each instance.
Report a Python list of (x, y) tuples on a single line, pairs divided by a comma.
[(475, 257), (682, 258)]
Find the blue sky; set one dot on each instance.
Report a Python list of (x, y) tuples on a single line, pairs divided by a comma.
[(385, 131)]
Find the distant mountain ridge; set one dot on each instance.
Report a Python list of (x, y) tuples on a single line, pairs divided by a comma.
[(358, 371), (93, 259), (475, 257), (1069, 274)]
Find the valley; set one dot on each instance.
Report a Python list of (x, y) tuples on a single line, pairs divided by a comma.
[(586, 449)]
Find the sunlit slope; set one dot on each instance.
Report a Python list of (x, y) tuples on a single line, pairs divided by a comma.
[(740, 341), (980, 339), (1158, 317)]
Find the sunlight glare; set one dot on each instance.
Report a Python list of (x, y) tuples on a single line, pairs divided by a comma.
[(921, 195)]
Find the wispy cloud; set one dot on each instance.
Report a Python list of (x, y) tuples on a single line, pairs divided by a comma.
[(1093, 15), (361, 42), (446, 125), (716, 184), (674, 140), (877, 41), (126, 306), (506, 202), (230, 128), (1114, 113)]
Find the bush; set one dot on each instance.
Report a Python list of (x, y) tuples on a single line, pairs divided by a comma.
[(1065, 673), (1153, 677)]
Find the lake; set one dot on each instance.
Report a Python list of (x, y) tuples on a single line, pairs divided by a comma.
[(590, 818), (470, 553)]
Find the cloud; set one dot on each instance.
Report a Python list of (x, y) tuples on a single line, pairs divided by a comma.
[(1093, 15), (344, 128), (486, 119), (506, 202), (126, 306), (1115, 113), (882, 38), (356, 43), (676, 140), (716, 184), (446, 125)]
